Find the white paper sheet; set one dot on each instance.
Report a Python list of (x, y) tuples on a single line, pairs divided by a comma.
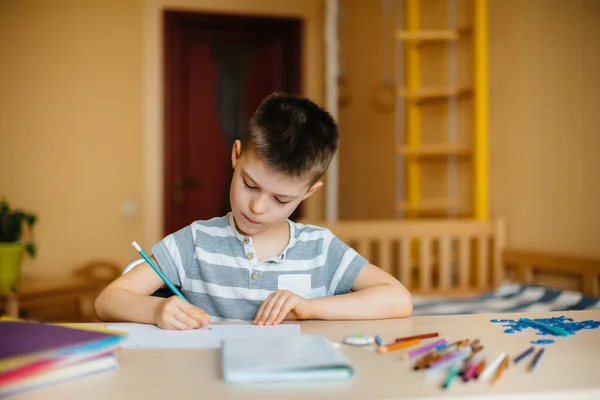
[(142, 336)]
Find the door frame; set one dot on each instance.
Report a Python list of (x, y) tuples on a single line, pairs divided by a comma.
[(174, 23)]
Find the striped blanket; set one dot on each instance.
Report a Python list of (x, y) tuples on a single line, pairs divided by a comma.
[(509, 297)]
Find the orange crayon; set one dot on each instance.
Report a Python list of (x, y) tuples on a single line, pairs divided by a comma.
[(398, 346)]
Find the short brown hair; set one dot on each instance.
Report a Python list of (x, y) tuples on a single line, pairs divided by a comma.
[(293, 135)]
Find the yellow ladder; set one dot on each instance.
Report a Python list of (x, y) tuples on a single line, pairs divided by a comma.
[(458, 162)]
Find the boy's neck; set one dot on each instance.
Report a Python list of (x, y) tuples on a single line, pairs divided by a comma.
[(276, 231)]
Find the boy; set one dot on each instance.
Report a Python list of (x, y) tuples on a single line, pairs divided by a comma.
[(254, 263)]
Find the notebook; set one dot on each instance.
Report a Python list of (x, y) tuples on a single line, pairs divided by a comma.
[(87, 367), (26, 343), (283, 359), (21, 338)]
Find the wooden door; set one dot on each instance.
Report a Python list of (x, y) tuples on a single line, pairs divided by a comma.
[(217, 71)]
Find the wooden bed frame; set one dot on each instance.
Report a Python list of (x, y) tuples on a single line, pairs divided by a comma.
[(460, 257)]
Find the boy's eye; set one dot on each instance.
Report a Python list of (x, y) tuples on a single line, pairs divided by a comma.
[(248, 186), (281, 203)]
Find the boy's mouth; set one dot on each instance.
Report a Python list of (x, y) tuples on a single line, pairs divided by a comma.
[(250, 220)]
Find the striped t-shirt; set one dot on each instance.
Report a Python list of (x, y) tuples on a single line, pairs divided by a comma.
[(217, 270)]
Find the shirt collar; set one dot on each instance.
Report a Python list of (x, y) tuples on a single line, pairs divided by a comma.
[(281, 257)]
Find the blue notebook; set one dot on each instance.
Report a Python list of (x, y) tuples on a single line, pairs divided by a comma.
[(283, 359)]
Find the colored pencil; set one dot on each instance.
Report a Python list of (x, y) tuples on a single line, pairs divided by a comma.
[(479, 369), (491, 367), (550, 328), (503, 365), (426, 360), (423, 336), (160, 273), (425, 348), (471, 369), (398, 346), (523, 355), (451, 376), (379, 340), (470, 363), (535, 360), (456, 356)]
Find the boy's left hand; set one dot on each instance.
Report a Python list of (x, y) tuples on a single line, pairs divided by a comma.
[(278, 305)]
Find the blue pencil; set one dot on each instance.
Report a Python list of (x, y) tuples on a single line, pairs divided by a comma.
[(523, 355), (160, 273), (537, 357)]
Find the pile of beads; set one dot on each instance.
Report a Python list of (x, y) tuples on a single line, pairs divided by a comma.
[(557, 326)]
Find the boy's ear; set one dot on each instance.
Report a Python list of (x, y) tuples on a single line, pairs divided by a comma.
[(236, 152), (316, 186)]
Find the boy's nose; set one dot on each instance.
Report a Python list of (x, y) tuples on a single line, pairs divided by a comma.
[(258, 205)]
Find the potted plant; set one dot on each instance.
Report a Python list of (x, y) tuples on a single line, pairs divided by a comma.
[(12, 247)]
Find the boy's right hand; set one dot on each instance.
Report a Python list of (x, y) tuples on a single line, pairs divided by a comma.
[(176, 313)]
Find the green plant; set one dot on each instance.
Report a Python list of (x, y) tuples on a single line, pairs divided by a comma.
[(11, 226)]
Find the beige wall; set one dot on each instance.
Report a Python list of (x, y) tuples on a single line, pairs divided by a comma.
[(545, 119), (70, 125), (80, 118)]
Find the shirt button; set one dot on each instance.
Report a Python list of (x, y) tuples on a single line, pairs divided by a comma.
[(249, 256), (255, 275), (246, 240)]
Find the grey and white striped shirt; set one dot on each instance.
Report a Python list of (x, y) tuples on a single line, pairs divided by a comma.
[(217, 270)]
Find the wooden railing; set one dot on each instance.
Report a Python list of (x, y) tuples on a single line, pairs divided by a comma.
[(430, 257)]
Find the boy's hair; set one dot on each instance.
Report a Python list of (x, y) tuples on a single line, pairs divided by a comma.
[(293, 135)]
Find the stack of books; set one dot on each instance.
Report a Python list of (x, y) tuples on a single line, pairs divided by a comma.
[(34, 354)]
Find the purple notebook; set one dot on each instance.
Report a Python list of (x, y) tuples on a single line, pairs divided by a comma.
[(19, 338)]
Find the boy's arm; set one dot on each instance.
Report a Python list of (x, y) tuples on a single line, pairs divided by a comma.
[(375, 295), (128, 299)]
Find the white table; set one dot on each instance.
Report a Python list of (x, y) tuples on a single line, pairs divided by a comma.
[(568, 369)]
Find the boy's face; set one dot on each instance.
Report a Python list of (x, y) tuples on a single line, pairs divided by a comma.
[(262, 198)]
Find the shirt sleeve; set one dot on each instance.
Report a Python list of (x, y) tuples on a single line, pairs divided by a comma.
[(173, 253), (342, 265)]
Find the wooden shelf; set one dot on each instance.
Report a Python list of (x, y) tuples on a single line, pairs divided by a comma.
[(428, 205), (433, 93), (434, 151), (439, 35)]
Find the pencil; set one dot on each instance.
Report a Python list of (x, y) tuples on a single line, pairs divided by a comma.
[(491, 367), (523, 355), (423, 336), (449, 359), (432, 357), (554, 329), (479, 369), (425, 348), (500, 369), (471, 369), (451, 376), (398, 346), (535, 360), (160, 273)]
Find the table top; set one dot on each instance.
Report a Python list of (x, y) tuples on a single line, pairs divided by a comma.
[(567, 369)]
